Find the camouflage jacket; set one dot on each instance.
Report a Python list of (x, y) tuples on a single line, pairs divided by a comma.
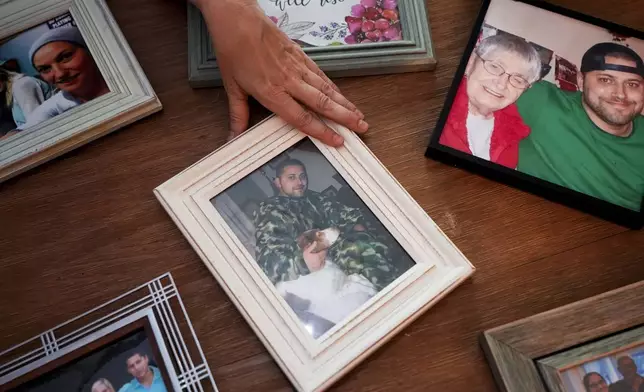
[(281, 219)]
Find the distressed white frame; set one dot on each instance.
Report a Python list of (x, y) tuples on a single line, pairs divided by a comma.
[(131, 96), (192, 373), (313, 364)]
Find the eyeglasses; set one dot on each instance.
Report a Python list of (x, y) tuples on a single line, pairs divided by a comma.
[(496, 69)]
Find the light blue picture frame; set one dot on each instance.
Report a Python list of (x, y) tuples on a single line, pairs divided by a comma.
[(414, 53)]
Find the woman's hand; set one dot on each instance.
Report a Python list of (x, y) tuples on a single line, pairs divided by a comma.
[(256, 58)]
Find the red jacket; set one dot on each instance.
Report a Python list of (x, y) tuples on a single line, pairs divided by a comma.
[(509, 130)]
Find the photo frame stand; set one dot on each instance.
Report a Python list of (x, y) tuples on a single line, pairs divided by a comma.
[(313, 363), (414, 53), (156, 302)]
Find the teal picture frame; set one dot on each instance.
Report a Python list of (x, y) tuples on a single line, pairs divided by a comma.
[(414, 53)]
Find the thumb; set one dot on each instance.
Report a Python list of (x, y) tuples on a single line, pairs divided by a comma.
[(237, 109)]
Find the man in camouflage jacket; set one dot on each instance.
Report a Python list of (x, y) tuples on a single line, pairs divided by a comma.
[(282, 218)]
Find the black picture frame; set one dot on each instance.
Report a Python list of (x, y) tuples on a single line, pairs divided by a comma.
[(550, 191)]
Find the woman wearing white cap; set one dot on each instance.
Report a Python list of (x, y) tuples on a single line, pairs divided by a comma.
[(62, 59)]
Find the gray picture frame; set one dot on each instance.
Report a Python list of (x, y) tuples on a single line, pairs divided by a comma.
[(517, 351), (414, 53)]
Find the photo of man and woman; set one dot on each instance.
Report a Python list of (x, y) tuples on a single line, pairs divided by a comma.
[(125, 365), (563, 104), (618, 372), (44, 72), (326, 253)]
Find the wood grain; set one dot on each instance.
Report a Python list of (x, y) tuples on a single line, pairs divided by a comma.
[(84, 228)]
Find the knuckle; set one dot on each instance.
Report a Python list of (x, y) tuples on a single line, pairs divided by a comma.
[(304, 119), (235, 117), (305, 76), (327, 89), (324, 102), (320, 73), (274, 92)]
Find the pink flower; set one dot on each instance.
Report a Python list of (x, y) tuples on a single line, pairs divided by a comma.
[(350, 39), (357, 10), (372, 13), (390, 4), (382, 24), (368, 3), (368, 25), (374, 35), (354, 24), (392, 33)]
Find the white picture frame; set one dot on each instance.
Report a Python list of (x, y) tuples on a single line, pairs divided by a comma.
[(131, 96), (154, 308), (312, 364)]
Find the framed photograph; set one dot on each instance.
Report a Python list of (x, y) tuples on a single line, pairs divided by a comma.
[(613, 364), (344, 38), (321, 282), (561, 118), (594, 345), (142, 340), (67, 77)]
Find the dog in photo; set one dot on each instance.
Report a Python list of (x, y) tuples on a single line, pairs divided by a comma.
[(329, 292)]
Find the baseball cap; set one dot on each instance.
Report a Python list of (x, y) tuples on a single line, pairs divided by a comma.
[(595, 59)]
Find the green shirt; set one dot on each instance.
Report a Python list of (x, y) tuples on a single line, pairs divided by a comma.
[(566, 148)]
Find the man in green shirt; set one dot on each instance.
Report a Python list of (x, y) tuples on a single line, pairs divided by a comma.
[(590, 141)]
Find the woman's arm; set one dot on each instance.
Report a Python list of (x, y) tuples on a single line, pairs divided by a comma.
[(257, 59)]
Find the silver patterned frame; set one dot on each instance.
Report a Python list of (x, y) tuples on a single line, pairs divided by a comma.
[(153, 301)]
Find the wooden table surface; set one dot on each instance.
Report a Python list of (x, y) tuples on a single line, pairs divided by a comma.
[(85, 228)]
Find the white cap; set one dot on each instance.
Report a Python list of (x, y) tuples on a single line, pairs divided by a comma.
[(66, 34)]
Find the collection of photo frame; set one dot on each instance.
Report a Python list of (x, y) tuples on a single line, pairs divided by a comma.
[(316, 331)]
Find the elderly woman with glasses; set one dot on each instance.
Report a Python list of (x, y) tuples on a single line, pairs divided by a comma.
[(484, 120)]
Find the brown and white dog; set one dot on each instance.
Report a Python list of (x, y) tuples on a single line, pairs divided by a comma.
[(323, 239), (328, 292)]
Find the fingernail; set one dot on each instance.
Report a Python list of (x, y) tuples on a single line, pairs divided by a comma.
[(360, 114), (363, 126), (337, 139)]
